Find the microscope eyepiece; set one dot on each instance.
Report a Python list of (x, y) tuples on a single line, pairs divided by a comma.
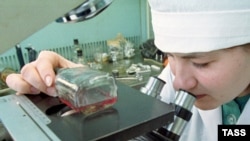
[(183, 105), (153, 87)]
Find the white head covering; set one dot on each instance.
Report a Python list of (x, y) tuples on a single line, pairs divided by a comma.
[(186, 26)]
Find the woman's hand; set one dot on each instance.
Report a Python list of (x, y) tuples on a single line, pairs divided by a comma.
[(39, 75)]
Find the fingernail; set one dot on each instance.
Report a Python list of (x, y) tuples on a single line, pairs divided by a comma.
[(48, 80), (51, 91)]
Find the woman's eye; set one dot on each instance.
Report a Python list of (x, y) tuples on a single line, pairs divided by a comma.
[(200, 65)]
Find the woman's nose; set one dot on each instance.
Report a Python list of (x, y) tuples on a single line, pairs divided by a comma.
[(184, 78)]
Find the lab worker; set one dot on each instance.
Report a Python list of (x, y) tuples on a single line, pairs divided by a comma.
[(208, 48), (205, 42)]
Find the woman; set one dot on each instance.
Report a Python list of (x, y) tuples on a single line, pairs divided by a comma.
[(207, 43), (208, 55)]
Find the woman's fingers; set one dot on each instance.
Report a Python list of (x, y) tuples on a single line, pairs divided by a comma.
[(39, 75), (46, 64), (16, 82), (30, 74)]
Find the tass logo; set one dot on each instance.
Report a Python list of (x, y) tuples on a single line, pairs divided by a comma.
[(234, 132), (241, 132)]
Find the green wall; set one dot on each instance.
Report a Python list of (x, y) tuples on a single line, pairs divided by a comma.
[(128, 17)]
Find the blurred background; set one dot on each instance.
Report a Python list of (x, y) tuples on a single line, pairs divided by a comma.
[(130, 18)]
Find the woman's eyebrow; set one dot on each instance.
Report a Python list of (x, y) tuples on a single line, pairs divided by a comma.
[(192, 56), (189, 55)]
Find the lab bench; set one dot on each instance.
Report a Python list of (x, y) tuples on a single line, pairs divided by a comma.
[(132, 115), (131, 80)]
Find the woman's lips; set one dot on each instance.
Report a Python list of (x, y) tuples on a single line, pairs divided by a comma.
[(200, 96)]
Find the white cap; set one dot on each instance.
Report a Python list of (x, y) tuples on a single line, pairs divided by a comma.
[(186, 26)]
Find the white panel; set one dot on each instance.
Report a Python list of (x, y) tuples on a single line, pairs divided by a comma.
[(21, 18)]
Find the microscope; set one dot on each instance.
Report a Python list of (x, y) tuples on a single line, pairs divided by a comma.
[(183, 104)]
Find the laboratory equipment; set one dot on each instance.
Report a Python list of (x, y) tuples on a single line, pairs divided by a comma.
[(153, 87), (126, 119), (15, 16), (86, 90), (183, 104)]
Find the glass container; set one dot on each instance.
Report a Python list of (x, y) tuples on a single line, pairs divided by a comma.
[(86, 90)]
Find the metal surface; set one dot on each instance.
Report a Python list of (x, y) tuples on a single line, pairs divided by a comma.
[(4, 135), (21, 117), (185, 99), (21, 19), (153, 87), (85, 11), (15, 16), (133, 114), (184, 102)]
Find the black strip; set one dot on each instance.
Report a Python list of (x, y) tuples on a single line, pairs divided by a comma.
[(182, 113), (172, 136), (19, 56)]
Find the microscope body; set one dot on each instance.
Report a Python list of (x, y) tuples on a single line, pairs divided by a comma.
[(183, 104)]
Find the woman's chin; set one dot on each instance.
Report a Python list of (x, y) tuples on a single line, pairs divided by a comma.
[(206, 105)]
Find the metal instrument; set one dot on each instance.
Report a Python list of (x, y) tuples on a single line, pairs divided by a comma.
[(153, 87), (85, 11), (23, 117), (18, 20), (183, 104)]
